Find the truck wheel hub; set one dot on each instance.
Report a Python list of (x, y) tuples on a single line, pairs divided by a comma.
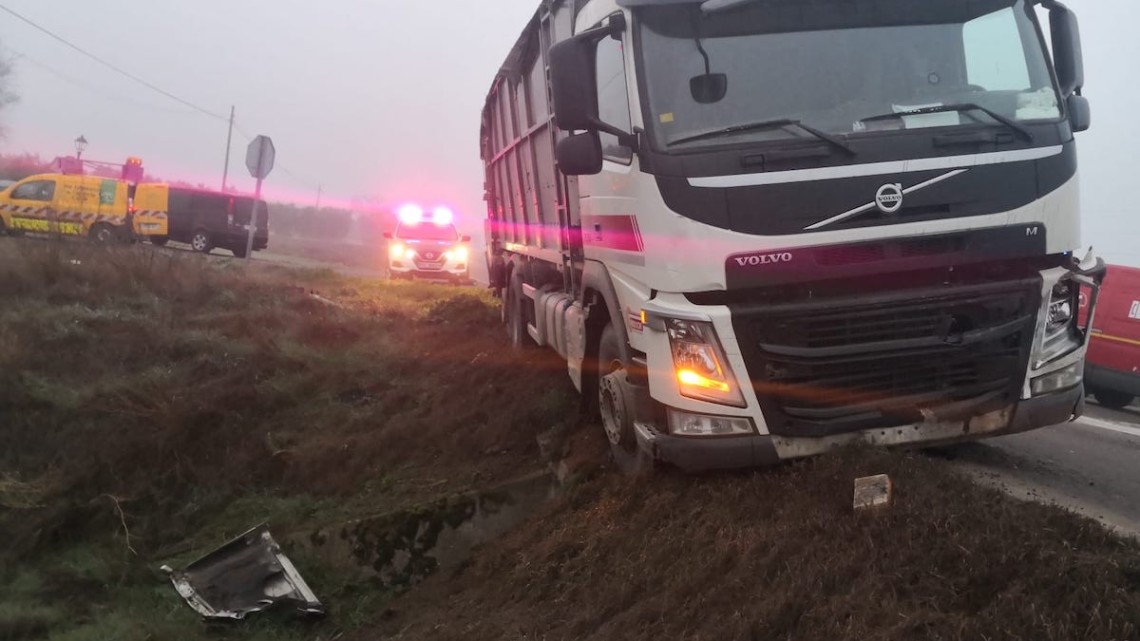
[(614, 404)]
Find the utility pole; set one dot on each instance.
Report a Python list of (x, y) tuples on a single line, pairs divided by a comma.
[(320, 188), (229, 139)]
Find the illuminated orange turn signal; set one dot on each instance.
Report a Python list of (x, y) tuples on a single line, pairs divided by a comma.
[(693, 379)]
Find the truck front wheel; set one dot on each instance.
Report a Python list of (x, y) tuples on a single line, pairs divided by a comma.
[(617, 407)]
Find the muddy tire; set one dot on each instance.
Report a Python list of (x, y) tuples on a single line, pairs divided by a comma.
[(1114, 400), (616, 407), (201, 242), (103, 234), (159, 241), (514, 315)]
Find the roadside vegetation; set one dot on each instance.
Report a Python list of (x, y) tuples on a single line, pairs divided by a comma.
[(180, 400), (155, 403)]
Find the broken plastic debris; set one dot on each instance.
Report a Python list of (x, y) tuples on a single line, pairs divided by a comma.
[(873, 491), (247, 575)]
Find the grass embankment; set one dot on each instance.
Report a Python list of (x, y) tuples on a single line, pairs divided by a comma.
[(185, 399), (182, 400), (780, 554)]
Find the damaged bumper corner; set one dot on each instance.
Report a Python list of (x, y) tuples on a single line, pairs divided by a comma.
[(247, 575)]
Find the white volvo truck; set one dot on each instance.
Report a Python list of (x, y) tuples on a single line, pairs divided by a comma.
[(757, 230)]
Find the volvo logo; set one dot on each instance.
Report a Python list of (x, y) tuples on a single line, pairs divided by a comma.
[(889, 198), (764, 259)]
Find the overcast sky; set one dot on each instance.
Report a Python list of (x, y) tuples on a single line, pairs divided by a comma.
[(382, 97)]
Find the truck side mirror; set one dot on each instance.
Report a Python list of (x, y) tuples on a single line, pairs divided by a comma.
[(573, 83), (1080, 114), (573, 77), (580, 154), (1068, 58)]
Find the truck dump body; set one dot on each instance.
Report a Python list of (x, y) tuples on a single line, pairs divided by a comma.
[(874, 252)]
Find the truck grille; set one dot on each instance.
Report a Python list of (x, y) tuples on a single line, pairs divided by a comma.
[(847, 364)]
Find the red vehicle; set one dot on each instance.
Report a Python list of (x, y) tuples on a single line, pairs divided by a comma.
[(1112, 369)]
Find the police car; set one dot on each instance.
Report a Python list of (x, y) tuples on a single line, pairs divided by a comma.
[(428, 247)]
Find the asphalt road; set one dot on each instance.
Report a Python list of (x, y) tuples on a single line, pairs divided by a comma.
[(1091, 466)]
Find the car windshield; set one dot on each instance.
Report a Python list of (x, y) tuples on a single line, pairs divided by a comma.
[(831, 64), (427, 231)]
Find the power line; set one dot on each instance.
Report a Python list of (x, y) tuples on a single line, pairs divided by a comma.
[(133, 77), (111, 66), (19, 56)]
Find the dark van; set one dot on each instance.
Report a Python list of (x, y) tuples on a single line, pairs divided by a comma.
[(207, 220)]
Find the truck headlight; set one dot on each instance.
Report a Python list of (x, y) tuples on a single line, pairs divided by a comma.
[(700, 364), (1059, 380), (1062, 308), (688, 424), (1061, 325)]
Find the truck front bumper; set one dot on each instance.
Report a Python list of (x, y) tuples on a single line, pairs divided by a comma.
[(694, 454)]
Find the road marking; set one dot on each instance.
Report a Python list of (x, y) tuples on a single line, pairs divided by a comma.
[(1111, 426)]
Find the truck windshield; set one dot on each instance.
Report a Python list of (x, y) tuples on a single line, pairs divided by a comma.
[(831, 64), (427, 231)]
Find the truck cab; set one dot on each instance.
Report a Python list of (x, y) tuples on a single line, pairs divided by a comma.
[(760, 229)]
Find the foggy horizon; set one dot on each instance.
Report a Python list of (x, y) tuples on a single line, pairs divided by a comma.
[(377, 102)]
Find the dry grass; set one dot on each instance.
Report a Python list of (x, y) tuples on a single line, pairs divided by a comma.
[(182, 399), (779, 554), (182, 386)]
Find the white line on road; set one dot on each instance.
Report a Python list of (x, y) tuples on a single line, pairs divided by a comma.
[(1111, 426)]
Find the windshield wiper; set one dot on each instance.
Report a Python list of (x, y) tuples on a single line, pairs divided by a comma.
[(965, 106), (767, 124)]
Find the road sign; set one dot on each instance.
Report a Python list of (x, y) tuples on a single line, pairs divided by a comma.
[(260, 157)]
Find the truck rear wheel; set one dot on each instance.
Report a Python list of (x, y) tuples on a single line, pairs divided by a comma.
[(159, 241), (201, 242), (616, 406), (240, 251), (1113, 399)]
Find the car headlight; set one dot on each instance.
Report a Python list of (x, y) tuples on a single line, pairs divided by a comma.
[(396, 251), (409, 254), (700, 365)]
